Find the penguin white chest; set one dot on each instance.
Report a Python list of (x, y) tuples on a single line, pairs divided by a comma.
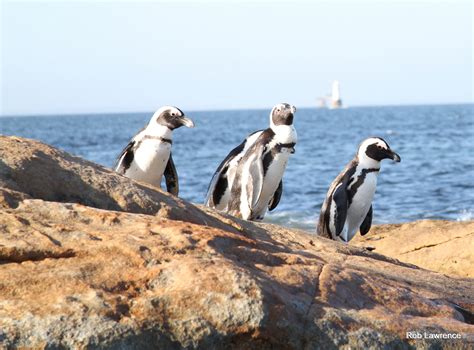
[(284, 134), (275, 173), (271, 181), (361, 203), (149, 161)]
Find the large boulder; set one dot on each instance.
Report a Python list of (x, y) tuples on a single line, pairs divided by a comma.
[(92, 275), (437, 245), (40, 171)]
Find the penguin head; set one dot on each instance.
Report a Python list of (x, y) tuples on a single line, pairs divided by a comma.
[(376, 149), (171, 117), (282, 114)]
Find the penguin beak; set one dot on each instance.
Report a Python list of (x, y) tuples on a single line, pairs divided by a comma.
[(186, 122), (394, 156)]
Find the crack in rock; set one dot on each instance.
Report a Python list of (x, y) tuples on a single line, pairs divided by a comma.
[(434, 244)]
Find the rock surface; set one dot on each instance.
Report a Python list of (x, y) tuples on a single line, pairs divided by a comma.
[(443, 246), (36, 170), (93, 275)]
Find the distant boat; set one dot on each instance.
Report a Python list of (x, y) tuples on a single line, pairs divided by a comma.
[(332, 101), (336, 101)]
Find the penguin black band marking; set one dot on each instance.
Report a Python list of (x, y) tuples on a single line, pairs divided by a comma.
[(162, 139), (268, 156), (360, 180)]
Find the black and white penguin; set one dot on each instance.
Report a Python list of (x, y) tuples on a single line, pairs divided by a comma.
[(148, 154), (348, 204), (249, 180)]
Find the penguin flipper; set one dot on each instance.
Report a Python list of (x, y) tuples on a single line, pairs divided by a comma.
[(125, 158), (255, 177), (171, 177), (340, 199), (367, 223), (276, 197), (219, 177)]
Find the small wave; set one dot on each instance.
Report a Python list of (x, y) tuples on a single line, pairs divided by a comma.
[(465, 215), (293, 219)]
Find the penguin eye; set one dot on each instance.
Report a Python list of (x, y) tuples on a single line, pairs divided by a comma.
[(379, 147), (172, 114), (278, 110)]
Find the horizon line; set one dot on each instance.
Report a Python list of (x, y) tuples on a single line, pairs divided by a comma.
[(75, 114)]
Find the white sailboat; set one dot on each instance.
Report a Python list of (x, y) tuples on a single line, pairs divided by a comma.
[(333, 100), (336, 101)]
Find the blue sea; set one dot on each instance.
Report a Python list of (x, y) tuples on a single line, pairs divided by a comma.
[(435, 179)]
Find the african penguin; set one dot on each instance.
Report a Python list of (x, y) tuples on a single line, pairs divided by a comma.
[(148, 155), (249, 180), (348, 204)]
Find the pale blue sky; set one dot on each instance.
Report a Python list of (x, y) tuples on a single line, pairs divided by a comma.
[(116, 56)]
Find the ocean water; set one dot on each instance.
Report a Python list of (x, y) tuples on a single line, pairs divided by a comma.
[(435, 179)]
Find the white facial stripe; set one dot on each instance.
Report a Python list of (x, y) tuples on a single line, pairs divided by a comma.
[(370, 141), (157, 114), (175, 111)]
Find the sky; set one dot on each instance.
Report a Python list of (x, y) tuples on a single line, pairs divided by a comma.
[(122, 56)]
